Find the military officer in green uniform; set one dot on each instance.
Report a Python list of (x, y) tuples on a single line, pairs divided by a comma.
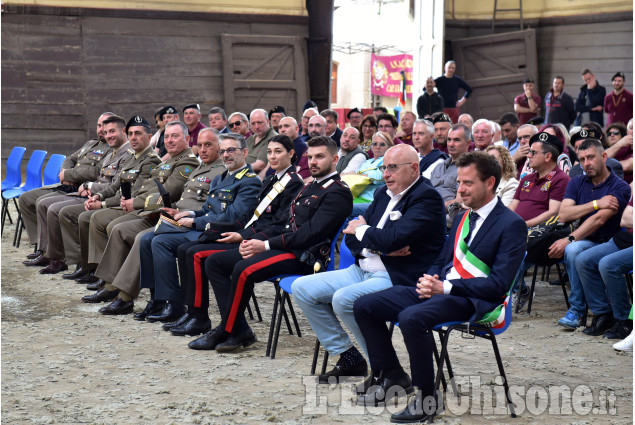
[(81, 166), (134, 172)]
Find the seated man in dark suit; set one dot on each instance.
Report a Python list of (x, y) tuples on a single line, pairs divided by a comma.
[(387, 254), (469, 279)]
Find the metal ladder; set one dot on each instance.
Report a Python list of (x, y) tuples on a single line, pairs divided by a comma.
[(497, 9)]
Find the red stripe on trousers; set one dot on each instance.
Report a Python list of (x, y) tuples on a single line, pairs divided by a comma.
[(198, 279), (241, 284)]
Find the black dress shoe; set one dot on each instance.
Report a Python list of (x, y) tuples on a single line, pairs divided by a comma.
[(79, 272), (341, 369), (118, 306), (385, 390), (55, 266), (184, 318), (96, 286), (101, 296), (620, 329), (417, 411), (40, 260), (600, 324), (373, 379), (153, 307), (88, 278), (234, 342), (34, 255), (210, 340), (170, 313), (193, 326)]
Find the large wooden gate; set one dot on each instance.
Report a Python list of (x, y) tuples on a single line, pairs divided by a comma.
[(259, 71), (495, 66)]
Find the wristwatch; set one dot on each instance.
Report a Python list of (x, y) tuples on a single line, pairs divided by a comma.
[(571, 238)]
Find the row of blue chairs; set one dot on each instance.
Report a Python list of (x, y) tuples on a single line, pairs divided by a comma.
[(12, 187)]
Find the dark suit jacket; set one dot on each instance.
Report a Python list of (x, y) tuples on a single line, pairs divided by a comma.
[(337, 136), (500, 243), (272, 220), (421, 226)]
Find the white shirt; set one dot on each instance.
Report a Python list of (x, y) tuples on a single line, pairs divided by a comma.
[(482, 212), (371, 261)]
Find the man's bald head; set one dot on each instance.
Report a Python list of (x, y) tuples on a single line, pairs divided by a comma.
[(317, 126), (401, 163), (350, 139)]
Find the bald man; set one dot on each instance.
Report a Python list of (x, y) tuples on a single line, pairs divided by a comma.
[(351, 155), (386, 241)]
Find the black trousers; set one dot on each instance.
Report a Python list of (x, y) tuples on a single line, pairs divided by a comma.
[(416, 317), (233, 279), (191, 260)]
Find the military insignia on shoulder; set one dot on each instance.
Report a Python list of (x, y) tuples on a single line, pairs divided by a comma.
[(251, 175), (187, 170), (131, 152), (192, 155), (327, 184), (242, 173)]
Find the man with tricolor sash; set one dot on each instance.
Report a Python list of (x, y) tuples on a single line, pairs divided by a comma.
[(470, 279)]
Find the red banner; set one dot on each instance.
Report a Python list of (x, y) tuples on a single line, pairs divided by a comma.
[(386, 77)]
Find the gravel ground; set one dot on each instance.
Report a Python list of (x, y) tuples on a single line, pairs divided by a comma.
[(62, 362)]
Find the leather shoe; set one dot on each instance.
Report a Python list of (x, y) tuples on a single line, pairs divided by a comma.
[(100, 296), (88, 278), (416, 411), (118, 306), (153, 307), (373, 379), (385, 390), (55, 266), (171, 311), (194, 326), (40, 260), (184, 318), (210, 340), (341, 369), (96, 286), (34, 255), (600, 324), (233, 342), (79, 272)]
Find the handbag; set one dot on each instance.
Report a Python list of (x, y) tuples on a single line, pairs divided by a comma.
[(356, 183), (542, 236)]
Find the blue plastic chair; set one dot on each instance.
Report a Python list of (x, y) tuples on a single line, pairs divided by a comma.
[(283, 295), (13, 177), (52, 169), (475, 330), (33, 181)]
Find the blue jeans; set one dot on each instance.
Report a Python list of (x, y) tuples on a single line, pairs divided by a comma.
[(519, 280), (601, 270), (341, 288), (577, 298)]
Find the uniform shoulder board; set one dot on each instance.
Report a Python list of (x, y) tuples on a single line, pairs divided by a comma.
[(327, 184), (242, 173), (131, 152), (152, 153), (192, 155), (251, 175)]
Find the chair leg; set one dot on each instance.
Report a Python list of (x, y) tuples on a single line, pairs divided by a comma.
[(251, 314), (316, 353), (531, 291), (5, 212), (293, 317), (442, 357), (563, 285), (276, 333), (285, 315), (501, 369), (256, 307), (436, 360), (274, 314), (325, 362), (18, 231)]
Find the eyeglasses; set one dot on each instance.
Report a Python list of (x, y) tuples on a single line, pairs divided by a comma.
[(382, 144), (385, 127), (233, 124), (230, 151), (391, 168), (368, 126), (614, 133), (532, 153)]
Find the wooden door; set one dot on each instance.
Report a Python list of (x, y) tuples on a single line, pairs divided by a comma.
[(263, 72), (495, 66)]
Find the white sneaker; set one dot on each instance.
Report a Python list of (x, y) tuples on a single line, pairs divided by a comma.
[(625, 345)]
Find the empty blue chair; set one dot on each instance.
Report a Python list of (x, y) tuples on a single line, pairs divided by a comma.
[(33, 181), (52, 169), (13, 177)]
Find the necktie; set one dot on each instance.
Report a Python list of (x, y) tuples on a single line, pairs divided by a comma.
[(473, 217)]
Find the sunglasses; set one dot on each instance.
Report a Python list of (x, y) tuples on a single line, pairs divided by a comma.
[(233, 124), (614, 133)]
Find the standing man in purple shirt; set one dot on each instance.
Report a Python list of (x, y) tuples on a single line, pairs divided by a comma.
[(448, 86), (192, 118)]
